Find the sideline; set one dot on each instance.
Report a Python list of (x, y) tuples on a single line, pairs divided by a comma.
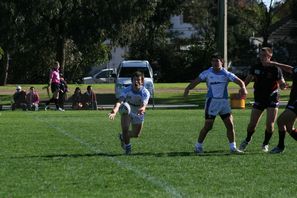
[(153, 180), (109, 107)]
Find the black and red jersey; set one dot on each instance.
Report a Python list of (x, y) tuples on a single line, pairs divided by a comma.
[(266, 81)]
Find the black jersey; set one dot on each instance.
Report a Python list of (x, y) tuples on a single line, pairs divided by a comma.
[(266, 81)]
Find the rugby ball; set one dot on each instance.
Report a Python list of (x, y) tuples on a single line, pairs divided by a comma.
[(124, 108)]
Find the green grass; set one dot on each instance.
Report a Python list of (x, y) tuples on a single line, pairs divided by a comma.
[(77, 154)]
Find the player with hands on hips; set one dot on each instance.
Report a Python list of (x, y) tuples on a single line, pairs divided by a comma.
[(136, 96)]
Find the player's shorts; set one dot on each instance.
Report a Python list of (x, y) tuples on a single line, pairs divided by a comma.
[(136, 119), (264, 105), (214, 107), (292, 105), (271, 102), (55, 87)]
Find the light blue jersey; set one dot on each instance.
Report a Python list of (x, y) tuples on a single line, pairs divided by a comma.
[(217, 82), (135, 100)]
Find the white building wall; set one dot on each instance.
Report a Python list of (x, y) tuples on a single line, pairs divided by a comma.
[(185, 30)]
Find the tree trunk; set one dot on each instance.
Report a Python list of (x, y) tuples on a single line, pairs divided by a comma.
[(60, 56), (6, 67)]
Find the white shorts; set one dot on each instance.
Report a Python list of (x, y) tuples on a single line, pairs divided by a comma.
[(214, 107), (136, 119)]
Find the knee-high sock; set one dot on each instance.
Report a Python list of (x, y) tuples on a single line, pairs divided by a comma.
[(267, 137), (281, 140)]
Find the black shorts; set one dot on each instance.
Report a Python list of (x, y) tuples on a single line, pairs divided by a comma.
[(55, 87), (263, 105), (211, 117), (292, 105), (271, 102)]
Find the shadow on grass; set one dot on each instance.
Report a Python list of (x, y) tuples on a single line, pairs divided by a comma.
[(214, 153)]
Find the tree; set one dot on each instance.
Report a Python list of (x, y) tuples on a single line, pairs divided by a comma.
[(44, 29)]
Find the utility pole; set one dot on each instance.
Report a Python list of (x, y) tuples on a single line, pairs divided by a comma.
[(222, 30)]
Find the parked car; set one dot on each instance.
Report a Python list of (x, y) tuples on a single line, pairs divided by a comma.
[(125, 71), (103, 76)]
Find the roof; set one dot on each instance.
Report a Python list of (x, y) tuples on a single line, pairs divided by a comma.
[(135, 63), (283, 30)]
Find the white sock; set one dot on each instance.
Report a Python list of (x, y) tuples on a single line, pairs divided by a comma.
[(232, 145)]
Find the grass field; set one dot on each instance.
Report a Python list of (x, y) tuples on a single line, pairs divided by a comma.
[(77, 154)]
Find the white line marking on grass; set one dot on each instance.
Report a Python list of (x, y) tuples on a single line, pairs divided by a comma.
[(157, 182)]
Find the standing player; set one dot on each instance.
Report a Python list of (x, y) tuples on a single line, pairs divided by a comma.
[(287, 118), (217, 79), (54, 82), (267, 81), (137, 96)]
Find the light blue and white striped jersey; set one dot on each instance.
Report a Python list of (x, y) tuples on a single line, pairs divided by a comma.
[(217, 82), (135, 99)]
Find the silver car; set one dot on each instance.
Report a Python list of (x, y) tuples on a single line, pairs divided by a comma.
[(103, 76), (125, 71)]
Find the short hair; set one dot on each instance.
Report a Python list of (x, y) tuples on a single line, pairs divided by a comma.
[(137, 74), (216, 56), (89, 87), (268, 50)]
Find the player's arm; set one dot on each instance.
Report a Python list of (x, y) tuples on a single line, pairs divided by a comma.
[(248, 79), (115, 109), (50, 78), (142, 108), (282, 84), (286, 68), (241, 84), (192, 85)]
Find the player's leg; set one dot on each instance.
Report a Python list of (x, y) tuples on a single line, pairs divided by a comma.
[(211, 110), (285, 122), (228, 121), (136, 130), (208, 124), (256, 114), (292, 116), (270, 120), (125, 141), (288, 119), (56, 98), (125, 124)]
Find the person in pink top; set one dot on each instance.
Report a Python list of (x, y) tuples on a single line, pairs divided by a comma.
[(32, 99), (54, 83)]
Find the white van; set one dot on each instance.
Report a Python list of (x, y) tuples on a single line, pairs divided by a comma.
[(103, 76), (125, 71)]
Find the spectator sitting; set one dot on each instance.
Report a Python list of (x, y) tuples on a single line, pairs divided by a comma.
[(90, 100), (32, 99), (19, 99), (77, 99)]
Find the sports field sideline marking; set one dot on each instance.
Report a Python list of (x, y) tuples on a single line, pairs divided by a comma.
[(157, 182)]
